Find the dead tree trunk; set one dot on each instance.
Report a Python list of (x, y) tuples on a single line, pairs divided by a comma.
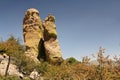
[(7, 68)]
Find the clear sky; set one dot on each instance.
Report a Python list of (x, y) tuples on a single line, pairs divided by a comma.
[(82, 25)]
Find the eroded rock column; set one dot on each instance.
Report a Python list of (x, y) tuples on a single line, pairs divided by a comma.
[(51, 43), (32, 32)]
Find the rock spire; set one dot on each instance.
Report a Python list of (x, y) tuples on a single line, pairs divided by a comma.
[(32, 32), (51, 43), (40, 38)]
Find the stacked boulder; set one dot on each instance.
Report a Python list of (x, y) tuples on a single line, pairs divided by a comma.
[(40, 38)]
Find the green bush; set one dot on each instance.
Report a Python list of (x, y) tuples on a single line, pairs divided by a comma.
[(72, 60)]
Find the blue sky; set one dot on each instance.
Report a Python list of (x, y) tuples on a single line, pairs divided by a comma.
[(82, 25)]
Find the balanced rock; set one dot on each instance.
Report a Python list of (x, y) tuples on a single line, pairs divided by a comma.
[(32, 32), (51, 43)]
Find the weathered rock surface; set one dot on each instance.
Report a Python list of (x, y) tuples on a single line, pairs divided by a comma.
[(32, 32), (41, 37), (34, 75), (51, 43), (12, 68)]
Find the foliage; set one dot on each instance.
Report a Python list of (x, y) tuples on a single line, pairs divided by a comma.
[(70, 69), (9, 78), (71, 60), (11, 46), (106, 70)]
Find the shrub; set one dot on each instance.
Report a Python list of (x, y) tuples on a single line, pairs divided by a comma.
[(72, 60)]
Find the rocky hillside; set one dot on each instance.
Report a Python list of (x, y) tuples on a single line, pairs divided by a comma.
[(3, 66)]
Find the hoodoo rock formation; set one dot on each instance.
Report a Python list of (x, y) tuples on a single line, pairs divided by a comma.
[(40, 38), (51, 44), (32, 32)]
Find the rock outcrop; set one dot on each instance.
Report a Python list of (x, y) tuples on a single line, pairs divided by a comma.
[(32, 32), (40, 38), (3, 65), (51, 44)]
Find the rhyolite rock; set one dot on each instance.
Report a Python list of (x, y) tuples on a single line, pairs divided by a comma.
[(51, 43), (32, 32), (40, 38)]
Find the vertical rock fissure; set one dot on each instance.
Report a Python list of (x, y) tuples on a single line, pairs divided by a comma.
[(41, 51)]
